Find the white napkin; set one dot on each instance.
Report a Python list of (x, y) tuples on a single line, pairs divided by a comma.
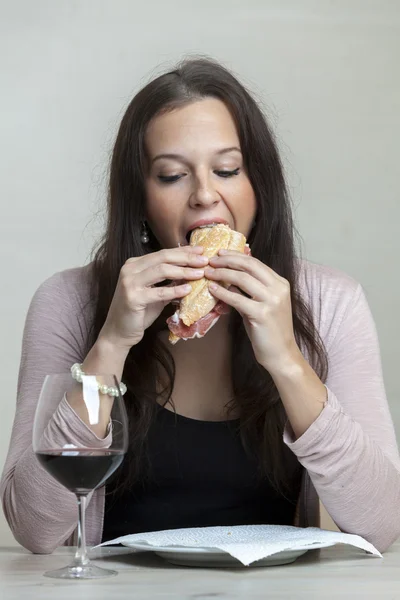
[(247, 543)]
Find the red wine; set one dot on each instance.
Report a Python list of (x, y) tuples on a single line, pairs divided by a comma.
[(83, 472)]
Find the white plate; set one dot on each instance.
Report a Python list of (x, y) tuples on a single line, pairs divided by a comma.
[(212, 557)]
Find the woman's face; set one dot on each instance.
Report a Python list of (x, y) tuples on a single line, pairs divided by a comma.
[(195, 173)]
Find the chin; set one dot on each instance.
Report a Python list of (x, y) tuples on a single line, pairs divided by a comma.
[(166, 244)]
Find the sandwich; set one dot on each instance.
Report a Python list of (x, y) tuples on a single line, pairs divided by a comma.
[(200, 310)]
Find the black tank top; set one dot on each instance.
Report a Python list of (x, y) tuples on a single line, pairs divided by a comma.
[(200, 476)]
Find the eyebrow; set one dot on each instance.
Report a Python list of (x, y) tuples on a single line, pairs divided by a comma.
[(182, 158)]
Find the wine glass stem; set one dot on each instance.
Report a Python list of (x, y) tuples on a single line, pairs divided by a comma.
[(81, 557)]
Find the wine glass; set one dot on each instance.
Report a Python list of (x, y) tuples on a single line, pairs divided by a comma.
[(80, 436)]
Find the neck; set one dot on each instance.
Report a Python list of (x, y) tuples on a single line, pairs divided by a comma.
[(203, 368)]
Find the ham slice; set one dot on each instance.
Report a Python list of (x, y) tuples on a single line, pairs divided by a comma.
[(180, 331)]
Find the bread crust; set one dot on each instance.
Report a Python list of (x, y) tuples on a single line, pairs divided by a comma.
[(199, 302)]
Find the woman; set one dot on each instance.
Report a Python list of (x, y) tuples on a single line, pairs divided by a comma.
[(281, 402)]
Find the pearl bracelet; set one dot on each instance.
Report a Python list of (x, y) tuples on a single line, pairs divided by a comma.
[(77, 374)]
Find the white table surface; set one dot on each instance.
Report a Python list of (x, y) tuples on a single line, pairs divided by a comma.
[(336, 572)]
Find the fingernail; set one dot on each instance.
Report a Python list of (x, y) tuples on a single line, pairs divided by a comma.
[(213, 286), (209, 270), (198, 272), (222, 252), (186, 287), (197, 248)]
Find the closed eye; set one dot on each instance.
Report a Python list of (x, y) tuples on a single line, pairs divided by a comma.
[(221, 173), (169, 178), (227, 173)]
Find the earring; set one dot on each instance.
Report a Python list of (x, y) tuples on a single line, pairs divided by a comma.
[(144, 236)]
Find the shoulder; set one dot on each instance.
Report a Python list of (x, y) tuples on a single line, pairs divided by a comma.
[(323, 280), (329, 292), (72, 287), (64, 298), (58, 324)]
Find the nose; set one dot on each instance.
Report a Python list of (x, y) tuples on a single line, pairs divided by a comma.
[(204, 194)]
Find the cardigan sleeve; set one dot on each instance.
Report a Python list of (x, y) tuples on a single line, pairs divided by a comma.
[(350, 451), (42, 513)]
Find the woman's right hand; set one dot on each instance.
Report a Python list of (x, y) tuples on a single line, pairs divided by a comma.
[(137, 303)]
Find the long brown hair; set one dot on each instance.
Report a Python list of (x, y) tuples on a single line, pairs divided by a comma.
[(262, 416)]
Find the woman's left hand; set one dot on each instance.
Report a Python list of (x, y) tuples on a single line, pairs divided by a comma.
[(267, 312)]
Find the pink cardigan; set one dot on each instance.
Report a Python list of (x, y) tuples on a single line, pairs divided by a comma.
[(349, 453)]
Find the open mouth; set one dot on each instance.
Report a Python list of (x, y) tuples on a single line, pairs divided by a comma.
[(189, 233), (211, 224)]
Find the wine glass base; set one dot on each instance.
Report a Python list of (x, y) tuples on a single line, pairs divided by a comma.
[(76, 572)]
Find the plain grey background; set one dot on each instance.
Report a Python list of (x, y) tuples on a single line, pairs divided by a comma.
[(327, 72)]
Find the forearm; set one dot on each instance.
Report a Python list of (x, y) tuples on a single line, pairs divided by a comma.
[(302, 393), (357, 482), (105, 357), (42, 513)]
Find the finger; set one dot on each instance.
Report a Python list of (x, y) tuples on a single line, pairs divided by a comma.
[(184, 256), (175, 283), (248, 264), (166, 294), (165, 271), (235, 289), (240, 279), (244, 306), (247, 250)]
